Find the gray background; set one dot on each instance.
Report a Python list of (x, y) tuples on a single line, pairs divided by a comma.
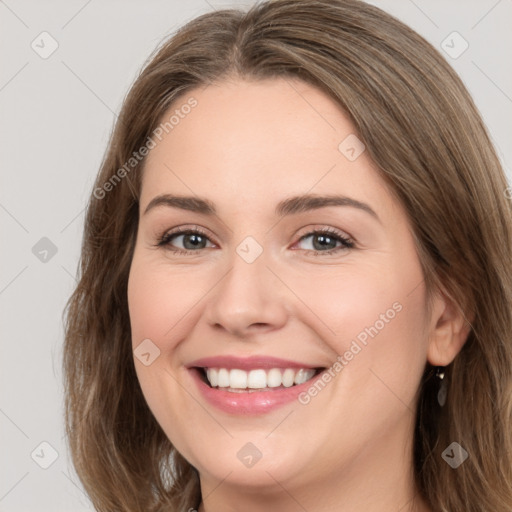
[(56, 114)]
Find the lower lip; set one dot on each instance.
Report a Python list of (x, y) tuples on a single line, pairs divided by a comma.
[(247, 403)]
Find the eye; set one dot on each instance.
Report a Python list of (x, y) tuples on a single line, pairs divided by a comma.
[(328, 238), (194, 238)]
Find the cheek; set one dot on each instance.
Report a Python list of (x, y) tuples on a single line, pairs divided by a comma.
[(374, 317), (385, 341), (149, 303), (364, 303), (160, 302), (156, 306)]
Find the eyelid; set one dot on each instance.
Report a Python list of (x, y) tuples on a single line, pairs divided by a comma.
[(347, 241), (325, 229), (183, 230), (308, 231)]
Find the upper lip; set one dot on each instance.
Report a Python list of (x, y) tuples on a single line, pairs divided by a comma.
[(248, 363)]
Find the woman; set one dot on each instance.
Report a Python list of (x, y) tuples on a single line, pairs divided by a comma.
[(295, 289)]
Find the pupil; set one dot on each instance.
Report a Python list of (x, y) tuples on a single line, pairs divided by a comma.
[(192, 236), (323, 238)]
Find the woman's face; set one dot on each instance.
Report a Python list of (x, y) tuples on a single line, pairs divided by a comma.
[(262, 294)]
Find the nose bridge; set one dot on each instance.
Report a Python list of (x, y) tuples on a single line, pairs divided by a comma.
[(249, 294)]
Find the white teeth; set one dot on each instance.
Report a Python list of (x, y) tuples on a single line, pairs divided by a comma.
[(288, 377), (273, 378), (223, 378), (213, 376), (301, 376), (257, 379), (236, 379)]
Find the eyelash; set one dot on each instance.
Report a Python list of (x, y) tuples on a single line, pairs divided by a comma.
[(164, 240)]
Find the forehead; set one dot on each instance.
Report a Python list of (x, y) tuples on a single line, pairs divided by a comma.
[(249, 143)]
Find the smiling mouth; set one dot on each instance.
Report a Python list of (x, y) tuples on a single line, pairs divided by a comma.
[(240, 381)]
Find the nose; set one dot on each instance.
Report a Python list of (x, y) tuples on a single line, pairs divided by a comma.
[(250, 298)]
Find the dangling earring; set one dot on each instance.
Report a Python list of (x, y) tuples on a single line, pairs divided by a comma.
[(441, 394)]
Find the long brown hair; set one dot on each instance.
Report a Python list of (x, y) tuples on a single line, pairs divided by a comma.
[(423, 131)]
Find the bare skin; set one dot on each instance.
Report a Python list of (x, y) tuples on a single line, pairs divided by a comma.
[(245, 147)]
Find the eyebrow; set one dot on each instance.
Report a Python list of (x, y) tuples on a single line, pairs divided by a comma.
[(289, 206)]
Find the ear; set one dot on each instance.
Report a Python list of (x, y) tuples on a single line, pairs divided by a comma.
[(449, 330)]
